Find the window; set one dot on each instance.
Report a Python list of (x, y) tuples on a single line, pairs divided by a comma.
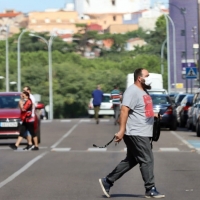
[(158, 100), (114, 18), (182, 32), (113, 2), (71, 20), (33, 21), (59, 21), (47, 20)]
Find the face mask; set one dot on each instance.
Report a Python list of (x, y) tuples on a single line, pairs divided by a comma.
[(148, 80), (146, 83)]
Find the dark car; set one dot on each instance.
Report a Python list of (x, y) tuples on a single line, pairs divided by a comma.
[(10, 116), (164, 105), (182, 110)]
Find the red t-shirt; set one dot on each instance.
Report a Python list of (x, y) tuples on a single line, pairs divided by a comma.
[(26, 114)]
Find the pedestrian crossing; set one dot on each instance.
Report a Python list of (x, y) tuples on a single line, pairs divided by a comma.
[(119, 150), (108, 150), (75, 120)]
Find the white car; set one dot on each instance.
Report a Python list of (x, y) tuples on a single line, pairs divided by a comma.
[(106, 107)]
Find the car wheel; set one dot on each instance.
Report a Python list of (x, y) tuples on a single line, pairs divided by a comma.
[(193, 128), (198, 129)]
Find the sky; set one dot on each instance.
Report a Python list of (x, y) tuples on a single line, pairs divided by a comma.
[(39, 5)]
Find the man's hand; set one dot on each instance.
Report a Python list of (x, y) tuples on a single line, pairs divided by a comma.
[(156, 115), (119, 136)]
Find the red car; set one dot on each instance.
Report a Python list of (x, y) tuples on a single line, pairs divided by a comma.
[(10, 116)]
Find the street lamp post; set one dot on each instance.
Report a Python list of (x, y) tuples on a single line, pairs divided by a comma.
[(49, 45), (7, 59), (19, 62), (168, 56), (167, 17), (162, 56)]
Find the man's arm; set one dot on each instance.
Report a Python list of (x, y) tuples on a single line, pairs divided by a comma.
[(123, 119)]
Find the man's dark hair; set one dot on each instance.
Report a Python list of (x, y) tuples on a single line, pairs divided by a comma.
[(137, 73), (115, 86), (28, 88)]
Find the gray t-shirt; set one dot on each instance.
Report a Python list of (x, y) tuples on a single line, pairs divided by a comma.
[(141, 116)]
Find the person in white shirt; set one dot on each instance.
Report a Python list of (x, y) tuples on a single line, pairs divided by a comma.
[(35, 139)]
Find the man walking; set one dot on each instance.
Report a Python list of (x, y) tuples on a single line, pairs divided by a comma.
[(116, 100), (136, 129), (97, 99)]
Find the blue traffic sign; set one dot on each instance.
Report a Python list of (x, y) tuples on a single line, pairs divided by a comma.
[(191, 73)]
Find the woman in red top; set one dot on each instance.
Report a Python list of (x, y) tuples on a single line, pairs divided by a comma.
[(27, 120)]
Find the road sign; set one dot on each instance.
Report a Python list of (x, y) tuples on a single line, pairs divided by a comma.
[(191, 73)]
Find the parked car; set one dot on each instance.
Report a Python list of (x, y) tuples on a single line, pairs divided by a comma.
[(193, 112), (173, 96), (179, 98), (182, 110), (10, 116), (106, 107), (164, 105)]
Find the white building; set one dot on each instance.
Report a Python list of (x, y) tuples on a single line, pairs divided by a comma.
[(110, 6), (149, 17)]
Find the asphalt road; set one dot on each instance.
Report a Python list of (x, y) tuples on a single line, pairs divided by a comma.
[(67, 167)]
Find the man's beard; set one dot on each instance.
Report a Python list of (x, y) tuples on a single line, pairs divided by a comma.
[(146, 87)]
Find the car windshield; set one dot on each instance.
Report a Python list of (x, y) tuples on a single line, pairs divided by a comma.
[(9, 101), (159, 100), (106, 99)]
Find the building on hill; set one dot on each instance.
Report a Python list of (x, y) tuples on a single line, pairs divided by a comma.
[(110, 6), (133, 42), (53, 20), (15, 20), (122, 28), (148, 18)]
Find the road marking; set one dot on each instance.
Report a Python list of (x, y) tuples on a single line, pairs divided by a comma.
[(64, 136), (85, 120), (61, 149), (46, 121), (169, 149), (24, 168), (195, 143), (104, 120), (182, 139), (65, 120), (97, 149), (19, 149)]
